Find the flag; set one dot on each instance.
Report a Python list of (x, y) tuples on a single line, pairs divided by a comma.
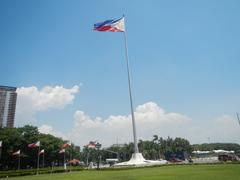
[(92, 144), (110, 26), (62, 151), (34, 145), (41, 152), (66, 145), (0, 144), (16, 153)]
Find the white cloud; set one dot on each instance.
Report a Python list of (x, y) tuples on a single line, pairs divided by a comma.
[(46, 129), (225, 128), (150, 119), (31, 100)]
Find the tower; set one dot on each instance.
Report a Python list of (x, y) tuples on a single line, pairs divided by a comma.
[(8, 99)]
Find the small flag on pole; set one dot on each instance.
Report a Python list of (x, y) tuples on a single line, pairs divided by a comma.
[(16, 153), (92, 144), (34, 145), (110, 26), (62, 151), (66, 145), (41, 152)]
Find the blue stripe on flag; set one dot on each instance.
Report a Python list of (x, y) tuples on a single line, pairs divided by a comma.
[(107, 22)]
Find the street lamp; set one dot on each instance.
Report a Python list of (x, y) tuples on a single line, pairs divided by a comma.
[(98, 146)]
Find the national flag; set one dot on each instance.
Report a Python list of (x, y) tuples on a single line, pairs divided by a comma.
[(66, 145), (110, 26), (41, 152), (92, 144), (16, 153), (34, 145), (62, 151), (0, 144)]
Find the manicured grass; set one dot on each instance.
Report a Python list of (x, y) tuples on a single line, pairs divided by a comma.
[(178, 172)]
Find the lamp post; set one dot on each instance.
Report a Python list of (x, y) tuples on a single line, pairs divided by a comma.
[(98, 146)]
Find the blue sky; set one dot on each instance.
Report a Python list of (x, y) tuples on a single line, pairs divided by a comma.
[(184, 55)]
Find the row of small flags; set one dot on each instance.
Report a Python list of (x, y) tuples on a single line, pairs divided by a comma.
[(91, 145), (36, 145), (32, 145), (19, 152)]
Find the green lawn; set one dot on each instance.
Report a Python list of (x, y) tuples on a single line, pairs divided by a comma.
[(178, 172)]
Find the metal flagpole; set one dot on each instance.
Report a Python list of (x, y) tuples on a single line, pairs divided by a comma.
[(87, 157), (43, 160), (70, 156), (1, 150), (38, 158), (19, 161), (130, 95), (64, 159), (238, 118)]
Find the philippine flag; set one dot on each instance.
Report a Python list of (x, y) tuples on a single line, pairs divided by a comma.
[(41, 152), (66, 145), (34, 145), (61, 151), (110, 26), (17, 153)]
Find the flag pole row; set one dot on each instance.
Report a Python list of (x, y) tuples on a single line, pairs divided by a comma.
[(39, 152), (90, 145)]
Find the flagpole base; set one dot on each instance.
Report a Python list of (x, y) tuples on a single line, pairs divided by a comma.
[(137, 160)]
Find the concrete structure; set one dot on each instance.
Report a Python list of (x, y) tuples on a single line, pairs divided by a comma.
[(8, 99), (214, 156), (137, 160)]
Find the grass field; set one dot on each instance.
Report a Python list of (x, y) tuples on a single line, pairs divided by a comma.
[(178, 172)]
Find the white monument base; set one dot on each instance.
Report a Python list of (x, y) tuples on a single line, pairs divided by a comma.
[(138, 160)]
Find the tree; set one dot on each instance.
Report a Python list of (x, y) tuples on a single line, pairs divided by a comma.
[(18, 138), (12, 141), (156, 145)]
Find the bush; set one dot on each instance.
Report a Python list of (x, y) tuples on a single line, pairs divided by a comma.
[(27, 172)]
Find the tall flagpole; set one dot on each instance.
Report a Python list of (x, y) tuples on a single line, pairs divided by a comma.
[(130, 95), (238, 118), (70, 156)]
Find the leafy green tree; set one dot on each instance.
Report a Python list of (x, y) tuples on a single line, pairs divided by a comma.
[(12, 141), (18, 138)]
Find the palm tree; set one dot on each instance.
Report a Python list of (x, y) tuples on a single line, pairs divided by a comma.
[(155, 138), (162, 147), (156, 146)]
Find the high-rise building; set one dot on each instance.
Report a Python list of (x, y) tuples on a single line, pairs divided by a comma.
[(8, 99)]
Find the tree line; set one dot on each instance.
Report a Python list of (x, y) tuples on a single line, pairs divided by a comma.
[(156, 148)]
